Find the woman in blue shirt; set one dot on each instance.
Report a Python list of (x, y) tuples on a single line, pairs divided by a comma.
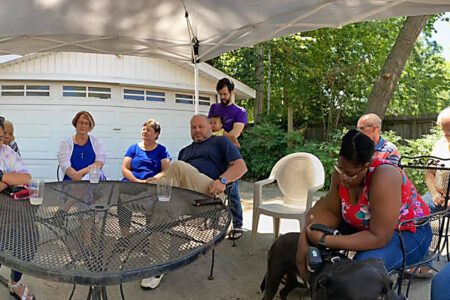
[(144, 162), (147, 160), (78, 152)]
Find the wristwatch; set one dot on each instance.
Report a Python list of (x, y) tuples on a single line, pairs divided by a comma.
[(223, 180), (1, 175), (322, 245)]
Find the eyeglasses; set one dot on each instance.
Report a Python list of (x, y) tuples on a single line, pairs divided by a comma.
[(84, 123), (362, 127), (346, 177)]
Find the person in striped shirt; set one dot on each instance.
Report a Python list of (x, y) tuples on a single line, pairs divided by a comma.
[(370, 125)]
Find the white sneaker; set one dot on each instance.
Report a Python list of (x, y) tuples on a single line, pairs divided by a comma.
[(151, 283)]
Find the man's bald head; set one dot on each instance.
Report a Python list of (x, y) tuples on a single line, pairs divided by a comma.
[(370, 125), (371, 119), (200, 128)]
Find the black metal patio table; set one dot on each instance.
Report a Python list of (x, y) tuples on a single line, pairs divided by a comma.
[(106, 233)]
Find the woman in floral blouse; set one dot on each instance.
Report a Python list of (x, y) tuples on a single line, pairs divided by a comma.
[(368, 198)]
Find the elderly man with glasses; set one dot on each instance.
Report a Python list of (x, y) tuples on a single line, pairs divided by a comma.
[(370, 125)]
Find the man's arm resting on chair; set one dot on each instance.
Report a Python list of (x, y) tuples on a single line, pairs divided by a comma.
[(235, 171)]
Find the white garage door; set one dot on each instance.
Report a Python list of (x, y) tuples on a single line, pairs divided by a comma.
[(40, 127)]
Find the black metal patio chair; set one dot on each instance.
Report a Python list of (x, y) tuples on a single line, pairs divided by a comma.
[(439, 221)]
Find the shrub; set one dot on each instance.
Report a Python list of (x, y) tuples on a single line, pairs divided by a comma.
[(264, 144), (422, 146)]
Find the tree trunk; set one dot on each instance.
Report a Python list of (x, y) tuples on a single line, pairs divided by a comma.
[(258, 107), (290, 122), (387, 81), (290, 118)]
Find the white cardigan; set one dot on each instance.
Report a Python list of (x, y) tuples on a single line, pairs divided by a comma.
[(66, 149)]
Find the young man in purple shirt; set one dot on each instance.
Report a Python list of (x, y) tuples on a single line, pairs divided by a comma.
[(234, 121), (234, 117)]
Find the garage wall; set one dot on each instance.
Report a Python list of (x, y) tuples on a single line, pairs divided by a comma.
[(103, 68), (41, 124)]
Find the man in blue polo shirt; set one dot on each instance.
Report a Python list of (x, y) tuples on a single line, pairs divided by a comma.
[(234, 121), (209, 163)]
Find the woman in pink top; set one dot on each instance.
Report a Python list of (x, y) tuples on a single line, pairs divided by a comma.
[(366, 202)]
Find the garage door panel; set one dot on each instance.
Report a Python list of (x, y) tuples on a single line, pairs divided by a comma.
[(112, 168), (39, 130), (39, 168)]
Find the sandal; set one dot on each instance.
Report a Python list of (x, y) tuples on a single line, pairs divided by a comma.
[(20, 291), (235, 234), (424, 272)]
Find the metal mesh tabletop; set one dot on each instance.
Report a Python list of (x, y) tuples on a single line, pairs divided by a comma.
[(106, 233)]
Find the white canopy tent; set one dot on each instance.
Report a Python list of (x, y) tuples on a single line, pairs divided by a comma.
[(187, 30)]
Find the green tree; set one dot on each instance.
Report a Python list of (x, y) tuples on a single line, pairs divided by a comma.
[(326, 76)]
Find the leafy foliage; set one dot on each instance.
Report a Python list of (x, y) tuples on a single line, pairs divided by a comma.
[(327, 74), (264, 144), (418, 147)]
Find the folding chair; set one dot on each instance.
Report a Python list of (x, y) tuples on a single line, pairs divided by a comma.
[(439, 221), (442, 168), (59, 173), (439, 224)]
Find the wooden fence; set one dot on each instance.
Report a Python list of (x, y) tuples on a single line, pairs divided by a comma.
[(408, 127)]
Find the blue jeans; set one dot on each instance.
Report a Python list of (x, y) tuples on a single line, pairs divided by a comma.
[(416, 246), (431, 205), (440, 288), (235, 205)]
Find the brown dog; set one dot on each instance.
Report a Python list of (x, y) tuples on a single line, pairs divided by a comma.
[(342, 280)]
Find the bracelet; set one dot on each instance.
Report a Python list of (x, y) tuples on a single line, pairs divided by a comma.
[(1, 175), (322, 245)]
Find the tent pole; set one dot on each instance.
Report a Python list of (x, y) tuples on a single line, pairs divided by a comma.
[(196, 87)]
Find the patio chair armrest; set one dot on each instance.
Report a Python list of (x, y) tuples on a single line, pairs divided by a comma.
[(313, 196), (257, 190), (422, 221), (315, 188)]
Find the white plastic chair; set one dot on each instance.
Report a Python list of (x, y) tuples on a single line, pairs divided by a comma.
[(299, 176)]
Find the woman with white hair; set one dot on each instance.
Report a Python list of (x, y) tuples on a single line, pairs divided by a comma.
[(437, 180), (82, 150), (8, 137)]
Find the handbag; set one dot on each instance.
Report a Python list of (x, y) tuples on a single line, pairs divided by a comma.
[(18, 192)]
